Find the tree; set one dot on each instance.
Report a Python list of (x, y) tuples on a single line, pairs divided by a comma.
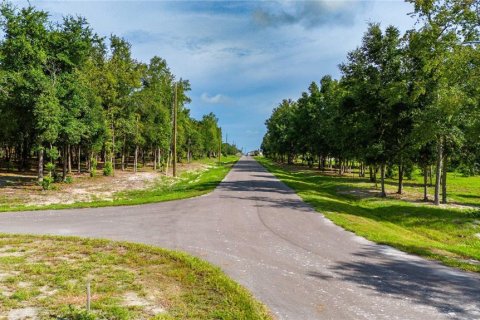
[(373, 74), (63, 88)]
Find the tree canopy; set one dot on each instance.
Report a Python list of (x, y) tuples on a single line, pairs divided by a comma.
[(71, 96), (402, 100)]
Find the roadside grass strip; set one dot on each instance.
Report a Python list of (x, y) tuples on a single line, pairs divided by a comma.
[(45, 277), (446, 234), (188, 184)]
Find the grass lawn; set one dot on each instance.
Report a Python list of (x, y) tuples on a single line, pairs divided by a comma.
[(45, 278), (188, 184), (449, 235)]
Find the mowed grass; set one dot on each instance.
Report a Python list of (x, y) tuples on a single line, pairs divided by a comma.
[(460, 189), (187, 185), (47, 276), (445, 234)]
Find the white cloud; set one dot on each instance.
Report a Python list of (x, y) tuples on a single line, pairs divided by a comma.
[(216, 99)]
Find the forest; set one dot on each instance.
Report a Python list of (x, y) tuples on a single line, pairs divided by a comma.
[(403, 102), (71, 99)]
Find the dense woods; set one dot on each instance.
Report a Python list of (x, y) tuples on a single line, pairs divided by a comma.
[(403, 102), (70, 99)]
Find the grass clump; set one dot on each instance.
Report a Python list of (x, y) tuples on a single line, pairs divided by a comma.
[(447, 234), (128, 281)]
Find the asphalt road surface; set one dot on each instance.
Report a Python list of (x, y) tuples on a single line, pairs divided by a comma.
[(293, 259)]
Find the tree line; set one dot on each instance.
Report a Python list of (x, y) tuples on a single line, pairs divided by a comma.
[(71, 97), (402, 101)]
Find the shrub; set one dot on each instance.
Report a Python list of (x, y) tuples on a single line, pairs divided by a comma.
[(47, 183), (52, 153), (93, 170), (57, 177), (108, 169), (50, 167), (68, 179)]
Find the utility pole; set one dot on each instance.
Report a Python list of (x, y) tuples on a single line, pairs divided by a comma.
[(174, 155), (220, 145)]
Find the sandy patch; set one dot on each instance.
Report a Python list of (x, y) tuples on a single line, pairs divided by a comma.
[(23, 188), (131, 299), (12, 253), (22, 314), (46, 291)]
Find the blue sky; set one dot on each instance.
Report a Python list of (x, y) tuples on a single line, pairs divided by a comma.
[(241, 57)]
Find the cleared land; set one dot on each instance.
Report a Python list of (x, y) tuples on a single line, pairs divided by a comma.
[(21, 192), (45, 278), (450, 234)]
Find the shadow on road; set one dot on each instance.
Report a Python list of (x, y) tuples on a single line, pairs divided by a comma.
[(446, 290), (255, 186)]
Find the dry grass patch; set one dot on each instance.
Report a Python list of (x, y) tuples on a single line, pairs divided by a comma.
[(128, 281)]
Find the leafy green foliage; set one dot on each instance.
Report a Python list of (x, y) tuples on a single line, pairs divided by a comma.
[(108, 169), (401, 101), (62, 87), (93, 169), (47, 183), (73, 313)]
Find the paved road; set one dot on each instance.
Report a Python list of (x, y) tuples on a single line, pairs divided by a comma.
[(292, 258)]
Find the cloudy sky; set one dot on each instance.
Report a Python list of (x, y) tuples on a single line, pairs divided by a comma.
[(241, 57)]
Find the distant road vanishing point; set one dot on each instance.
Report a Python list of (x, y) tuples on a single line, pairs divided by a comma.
[(293, 259)]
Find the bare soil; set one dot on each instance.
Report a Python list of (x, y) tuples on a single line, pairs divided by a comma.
[(22, 187)]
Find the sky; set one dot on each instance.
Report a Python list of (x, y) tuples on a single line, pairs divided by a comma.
[(242, 57)]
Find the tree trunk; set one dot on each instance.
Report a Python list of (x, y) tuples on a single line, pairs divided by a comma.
[(69, 157), (79, 169), (371, 173), (112, 156), (431, 175), (88, 161), (400, 179), (135, 159), (65, 160), (123, 160), (438, 171), (40, 165), (425, 183), (444, 181), (383, 194), (154, 159), (168, 161)]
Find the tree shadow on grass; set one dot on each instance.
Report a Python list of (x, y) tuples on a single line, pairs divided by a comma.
[(19, 181), (469, 196)]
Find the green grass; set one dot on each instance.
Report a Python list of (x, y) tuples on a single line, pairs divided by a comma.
[(187, 185), (53, 272), (444, 234), (460, 189)]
